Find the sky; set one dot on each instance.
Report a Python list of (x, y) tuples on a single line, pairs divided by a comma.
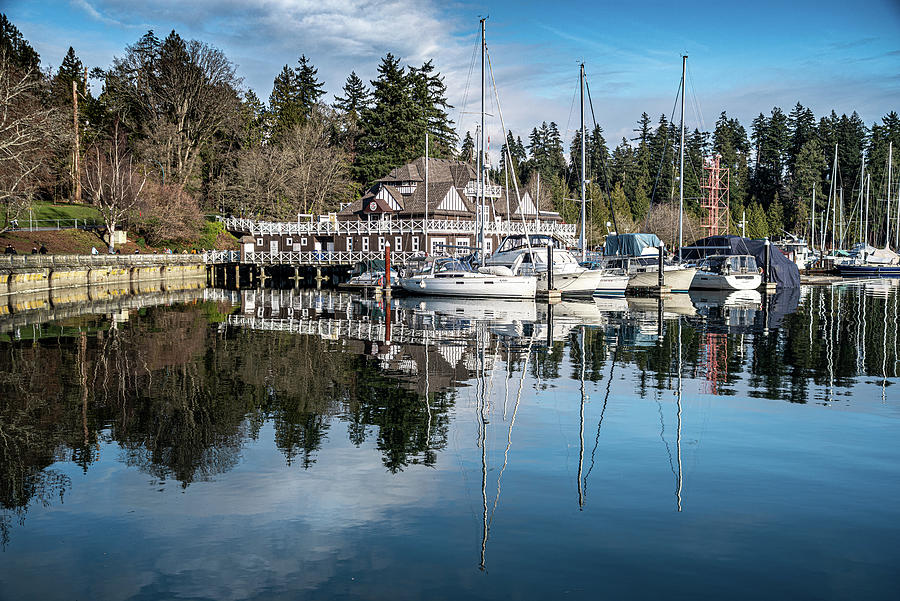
[(743, 58)]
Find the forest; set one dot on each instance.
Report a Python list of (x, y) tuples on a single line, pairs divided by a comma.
[(168, 133)]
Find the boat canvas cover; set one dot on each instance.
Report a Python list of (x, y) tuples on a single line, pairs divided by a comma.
[(785, 272), (630, 245), (880, 256)]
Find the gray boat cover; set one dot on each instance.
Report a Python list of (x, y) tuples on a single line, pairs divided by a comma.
[(785, 273), (629, 245)]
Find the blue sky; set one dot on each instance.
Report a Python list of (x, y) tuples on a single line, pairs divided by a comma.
[(744, 59)]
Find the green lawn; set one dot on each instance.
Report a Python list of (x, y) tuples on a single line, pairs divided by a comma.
[(47, 210)]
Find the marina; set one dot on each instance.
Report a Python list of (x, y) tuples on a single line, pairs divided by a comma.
[(621, 427)]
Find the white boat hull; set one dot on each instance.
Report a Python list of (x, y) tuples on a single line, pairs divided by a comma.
[(705, 280), (678, 279), (472, 285), (612, 285), (584, 283)]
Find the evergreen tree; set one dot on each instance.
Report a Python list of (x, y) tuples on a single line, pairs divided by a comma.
[(284, 106), (70, 70), (430, 96), (355, 98), (775, 218), (390, 127), (802, 124), (467, 152), (17, 48), (309, 88), (757, 223), (809, 166), (731, 143)]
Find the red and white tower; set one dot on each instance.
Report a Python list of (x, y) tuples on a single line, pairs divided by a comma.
[(715, 198)]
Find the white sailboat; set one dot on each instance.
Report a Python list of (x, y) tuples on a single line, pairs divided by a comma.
[(453, 277), (531, 253)]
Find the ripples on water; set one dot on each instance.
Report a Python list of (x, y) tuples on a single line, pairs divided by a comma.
[(278, 444)]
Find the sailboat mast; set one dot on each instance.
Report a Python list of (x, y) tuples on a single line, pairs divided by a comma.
[(481, 168), (862, 179), (425, 223), (841, 208), (887, 237), (812, 219), (866, 226), (833, 197), (583, 175), (681, 168)]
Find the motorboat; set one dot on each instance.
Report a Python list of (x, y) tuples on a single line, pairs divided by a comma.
[(371, 275), (728, 272), (637, 255), (569, 276), (450, 276)]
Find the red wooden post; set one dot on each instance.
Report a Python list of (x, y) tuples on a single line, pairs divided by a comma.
[(387, 266)]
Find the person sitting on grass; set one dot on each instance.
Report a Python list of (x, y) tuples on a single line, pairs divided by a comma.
[(9, 250), (43, 249)]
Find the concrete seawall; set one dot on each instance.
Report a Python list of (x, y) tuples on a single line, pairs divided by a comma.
[(136, 273)]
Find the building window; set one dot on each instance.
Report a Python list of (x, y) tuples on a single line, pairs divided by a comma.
[(488, 245), (259, 241), (302, 242), (290, 241), (398, 243), (349, 243), (380, 243), (415, 243), (365, 243)]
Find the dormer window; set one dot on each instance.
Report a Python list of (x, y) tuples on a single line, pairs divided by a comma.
[(407, 187)]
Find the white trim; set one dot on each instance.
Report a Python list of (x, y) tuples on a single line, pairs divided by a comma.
[(365, 243), (398, 243), (387, 197), (452, 201)]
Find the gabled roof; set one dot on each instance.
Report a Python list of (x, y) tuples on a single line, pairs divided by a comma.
[(439, 170)]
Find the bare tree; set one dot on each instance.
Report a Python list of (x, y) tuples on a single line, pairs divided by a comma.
[(305, 172), (168, 213), (179, 96), (662, 220), (112, 180), (27, 131)]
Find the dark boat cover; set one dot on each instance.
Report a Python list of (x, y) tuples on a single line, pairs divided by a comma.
[(629, 245), (785, 273)]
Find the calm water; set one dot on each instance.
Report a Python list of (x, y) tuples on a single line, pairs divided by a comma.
[(320, 445)]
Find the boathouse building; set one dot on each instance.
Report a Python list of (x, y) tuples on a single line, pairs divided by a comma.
[(401, 210)]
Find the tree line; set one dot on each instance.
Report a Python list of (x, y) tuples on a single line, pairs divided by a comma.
[(173, 133), (773, 170)]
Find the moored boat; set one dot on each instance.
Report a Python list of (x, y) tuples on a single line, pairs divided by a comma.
[(728, 272)]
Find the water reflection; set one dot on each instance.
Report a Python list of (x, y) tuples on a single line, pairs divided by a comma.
[(183, 388)]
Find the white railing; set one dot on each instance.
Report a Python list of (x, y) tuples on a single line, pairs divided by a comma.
[(104, 260), (359, 329), (324, 257), (490, 190), (221, 256), (397, 226)]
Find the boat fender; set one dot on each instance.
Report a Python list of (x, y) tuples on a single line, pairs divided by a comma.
[(421, 283)]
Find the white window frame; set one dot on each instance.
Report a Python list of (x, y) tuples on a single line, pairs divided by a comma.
[(365, 244), (289, 242), (303, 242), (415, 243), (398, 244), (349, 243), (380, 244), (259, 241)]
